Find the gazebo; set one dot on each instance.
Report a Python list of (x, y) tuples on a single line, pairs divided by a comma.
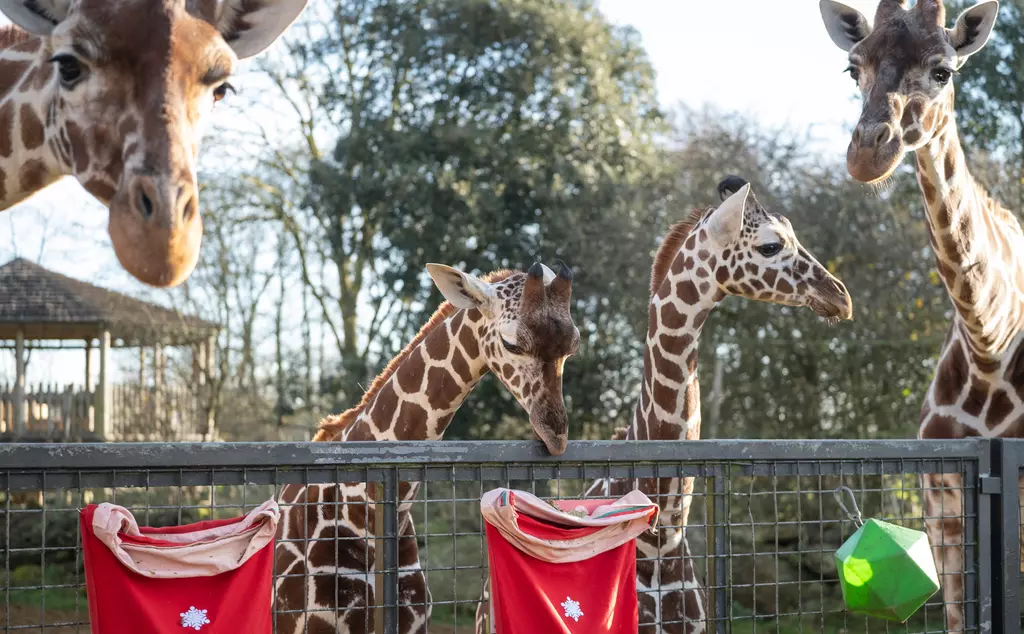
[(43, 310)]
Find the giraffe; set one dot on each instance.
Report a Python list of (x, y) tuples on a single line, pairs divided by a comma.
[(737, 249), (903, 65), (513, 324), (113, 92)]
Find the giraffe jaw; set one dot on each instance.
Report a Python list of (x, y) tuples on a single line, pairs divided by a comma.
[(839, 309)]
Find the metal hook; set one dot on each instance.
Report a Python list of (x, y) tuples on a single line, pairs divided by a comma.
[(855, 516)]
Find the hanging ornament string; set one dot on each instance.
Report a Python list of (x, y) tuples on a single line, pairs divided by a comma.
[(854, 516)]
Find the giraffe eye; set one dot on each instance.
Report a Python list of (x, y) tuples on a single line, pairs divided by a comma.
[(770, 249), (511, 347), (222, 91), (942, 75), (854, 72), (69, 69)]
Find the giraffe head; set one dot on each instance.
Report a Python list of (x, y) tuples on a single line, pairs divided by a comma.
[(126, 84), (525, 332), (903, 66), (741, 249)]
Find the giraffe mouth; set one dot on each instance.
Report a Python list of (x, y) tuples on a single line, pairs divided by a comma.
[(831, 312)]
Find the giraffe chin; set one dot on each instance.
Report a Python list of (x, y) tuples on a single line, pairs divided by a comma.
[(155, 255), (872, 166)]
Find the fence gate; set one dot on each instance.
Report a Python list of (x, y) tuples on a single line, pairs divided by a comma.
[(763, 523)]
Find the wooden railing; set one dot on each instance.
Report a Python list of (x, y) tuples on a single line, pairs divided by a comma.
[(172, 413), (52, 411)]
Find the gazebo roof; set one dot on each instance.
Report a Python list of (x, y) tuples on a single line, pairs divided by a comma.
[(46, 305)]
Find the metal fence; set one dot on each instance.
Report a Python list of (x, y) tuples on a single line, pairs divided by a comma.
[(763, 528)]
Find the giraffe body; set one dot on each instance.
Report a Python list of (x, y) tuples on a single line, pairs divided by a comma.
[(737, 249), (903, 65), (513, 324), (113, 92)]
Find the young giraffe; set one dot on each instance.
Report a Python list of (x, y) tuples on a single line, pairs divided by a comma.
[(903, 66), (518, 326), (113, 92), (737, 249)]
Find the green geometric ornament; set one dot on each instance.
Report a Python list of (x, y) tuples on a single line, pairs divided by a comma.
[(886, 570)]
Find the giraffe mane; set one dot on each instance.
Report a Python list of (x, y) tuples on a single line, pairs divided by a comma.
[(671, 244), (11, 35), (332, 426)]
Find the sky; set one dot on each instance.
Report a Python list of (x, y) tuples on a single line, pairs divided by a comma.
[(771, 60)]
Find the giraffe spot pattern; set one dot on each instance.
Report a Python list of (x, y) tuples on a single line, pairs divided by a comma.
[(672, 318), (951, 376), (31, 128)]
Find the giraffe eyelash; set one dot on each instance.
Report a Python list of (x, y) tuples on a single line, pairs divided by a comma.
[(510, 347)]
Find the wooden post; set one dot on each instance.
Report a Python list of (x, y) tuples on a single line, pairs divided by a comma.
[(208, 363), (90, 420), (20, 411), (67, 411), (105, 393), (158, 386)]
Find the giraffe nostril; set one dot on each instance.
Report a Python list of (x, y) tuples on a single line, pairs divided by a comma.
[(882, 135), (145, 204)]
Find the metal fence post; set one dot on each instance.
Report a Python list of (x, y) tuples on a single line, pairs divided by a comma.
[(978, 549), (390, 593), (385, 559), (722, 548), (1006, 536)]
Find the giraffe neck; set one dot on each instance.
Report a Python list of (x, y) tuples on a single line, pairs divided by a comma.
[(977, 247), (424, 386), (33, 153), (669, 404)]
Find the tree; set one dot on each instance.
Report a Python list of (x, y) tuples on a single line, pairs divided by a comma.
[(484, 135), (990, 105)]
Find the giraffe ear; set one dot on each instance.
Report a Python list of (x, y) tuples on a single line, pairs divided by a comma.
[(972, 29), (845, 25), (36, 16), (250, 26), (726, 222), (462, 289)]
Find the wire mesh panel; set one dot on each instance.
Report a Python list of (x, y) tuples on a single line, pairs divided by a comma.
[(763, 525)]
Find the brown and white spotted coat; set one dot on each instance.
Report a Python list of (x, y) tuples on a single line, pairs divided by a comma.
[(513, 324), (113, 92), (737, 249), (903, 65)]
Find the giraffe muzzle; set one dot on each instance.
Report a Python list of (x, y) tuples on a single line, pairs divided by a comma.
[(551, 427), (874, 151), (156, 229), (831, 300)]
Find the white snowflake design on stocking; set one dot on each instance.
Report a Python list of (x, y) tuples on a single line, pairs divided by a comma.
[(572, 609), (194, 618)]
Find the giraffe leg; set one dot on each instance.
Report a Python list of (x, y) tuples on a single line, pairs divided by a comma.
[(944, 520), (695, 601), (413, 594), (483, 610)]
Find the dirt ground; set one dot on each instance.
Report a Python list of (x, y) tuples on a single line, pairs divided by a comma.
[(22, 615)]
